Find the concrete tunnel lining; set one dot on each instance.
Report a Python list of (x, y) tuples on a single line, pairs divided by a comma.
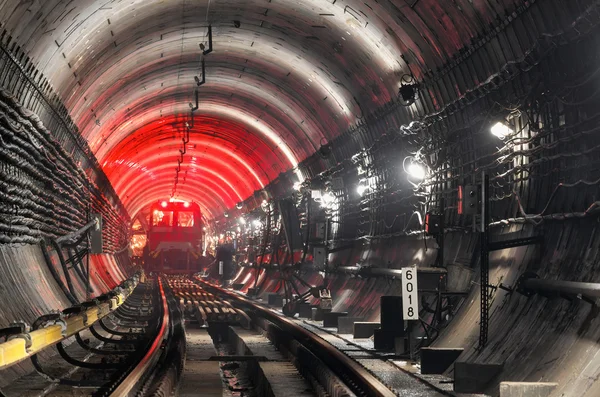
[(299, 75)]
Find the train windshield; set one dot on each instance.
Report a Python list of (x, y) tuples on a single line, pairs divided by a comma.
[(185, 219), (162, 218)]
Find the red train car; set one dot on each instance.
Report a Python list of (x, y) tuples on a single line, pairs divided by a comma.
[(175, 238)]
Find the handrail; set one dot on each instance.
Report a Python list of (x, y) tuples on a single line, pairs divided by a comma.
[(19, 347)]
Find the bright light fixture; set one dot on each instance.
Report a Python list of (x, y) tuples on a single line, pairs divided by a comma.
[(360, 189), (416, 171), (501, 130), (226, 215), (163, 204), (327, 199), (186, 204)]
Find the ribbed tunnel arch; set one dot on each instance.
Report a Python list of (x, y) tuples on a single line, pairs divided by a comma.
[(336, 145), (284, 78)]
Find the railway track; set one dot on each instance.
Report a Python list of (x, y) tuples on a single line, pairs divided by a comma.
[(229, 346), (127, 342)]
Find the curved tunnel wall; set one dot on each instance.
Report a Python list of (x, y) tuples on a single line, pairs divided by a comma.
[(544, 182), (50, 184), (541, 59)]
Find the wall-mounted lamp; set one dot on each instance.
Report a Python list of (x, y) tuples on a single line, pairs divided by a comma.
[(416, 171), (239, 205), (361, 188), (327, 200), (501, 130)]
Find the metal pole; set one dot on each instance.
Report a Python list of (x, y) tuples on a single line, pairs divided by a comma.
[(591, 290), (485, 261), (441, 235)]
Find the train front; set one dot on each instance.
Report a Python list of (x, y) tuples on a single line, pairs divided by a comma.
[(175, 239)]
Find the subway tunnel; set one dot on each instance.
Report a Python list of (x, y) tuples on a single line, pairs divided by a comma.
[(300, 197)]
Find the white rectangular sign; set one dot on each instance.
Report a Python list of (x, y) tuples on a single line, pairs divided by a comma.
[(220, 268), (410, 298)]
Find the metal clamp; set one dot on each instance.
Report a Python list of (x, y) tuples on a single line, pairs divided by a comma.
[(26, 337), (47, 320)]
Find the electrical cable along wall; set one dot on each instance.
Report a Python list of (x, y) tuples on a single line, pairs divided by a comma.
[(50, 184), (521, 107), (531, 88), (45, 190)]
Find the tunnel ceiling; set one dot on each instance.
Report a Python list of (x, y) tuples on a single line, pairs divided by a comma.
[(284, 77)]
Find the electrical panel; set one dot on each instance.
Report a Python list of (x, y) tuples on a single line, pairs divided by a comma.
[(319, 255), (470, 200), (320, 230), (433, 224)]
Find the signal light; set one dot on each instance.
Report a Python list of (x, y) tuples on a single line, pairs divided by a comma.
[(163, 204)]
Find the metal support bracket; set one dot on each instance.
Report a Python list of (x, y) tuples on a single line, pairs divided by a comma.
[(78, 363), (84, 343), (518, 242), (61, 381)]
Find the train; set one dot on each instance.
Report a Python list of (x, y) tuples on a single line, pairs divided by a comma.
[(175, 239)]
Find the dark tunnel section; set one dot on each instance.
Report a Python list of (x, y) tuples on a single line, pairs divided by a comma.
[(511, 122)]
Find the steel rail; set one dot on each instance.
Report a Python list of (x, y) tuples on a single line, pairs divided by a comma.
[(328, 354), (128, 385)]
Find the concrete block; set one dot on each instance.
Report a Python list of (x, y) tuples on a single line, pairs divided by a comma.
[(318, 313), (275, 300), (474, 377), (401, 345), (330, 319), (383, 340), (526, 389), (365, 329), (346, 324), (304, 310), (436, 360)]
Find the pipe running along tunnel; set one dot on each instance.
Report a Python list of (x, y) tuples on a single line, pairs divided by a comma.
[(305, 155)]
